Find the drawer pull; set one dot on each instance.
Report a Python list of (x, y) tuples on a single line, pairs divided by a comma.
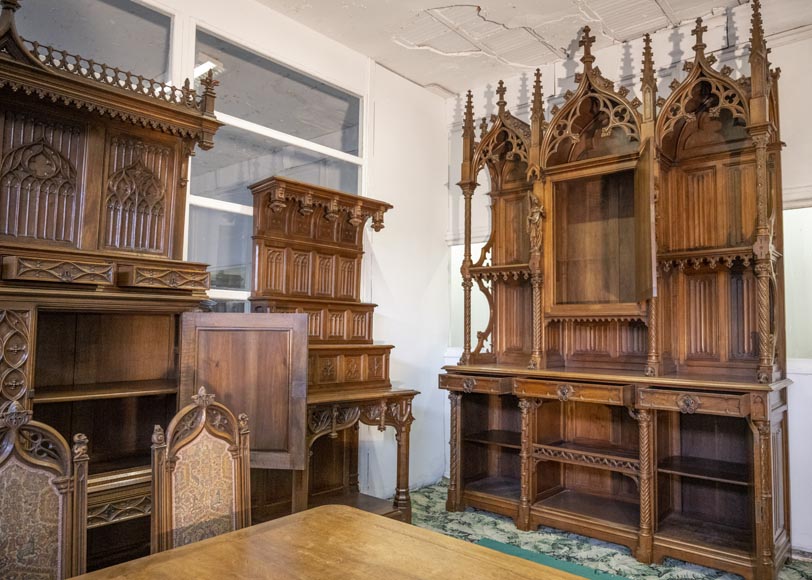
[(688, 404), (468, 385), (564, 392)]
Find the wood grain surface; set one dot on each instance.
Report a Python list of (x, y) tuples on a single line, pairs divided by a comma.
[(331, 542)]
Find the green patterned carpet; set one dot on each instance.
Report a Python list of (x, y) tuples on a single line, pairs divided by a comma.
[(428, 511)]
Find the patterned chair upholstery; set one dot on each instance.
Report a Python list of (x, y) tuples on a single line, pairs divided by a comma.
[(43, 500), (200, 474)]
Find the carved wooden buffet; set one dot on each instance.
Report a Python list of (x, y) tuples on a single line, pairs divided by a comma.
[(308, 249), (97, 311), (630, 384)]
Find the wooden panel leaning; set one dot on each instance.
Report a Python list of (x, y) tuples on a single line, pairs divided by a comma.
[(200, 476), (43, 499)]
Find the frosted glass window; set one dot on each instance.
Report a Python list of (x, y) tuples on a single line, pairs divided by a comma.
[(240, 158), (264, 92), (120, 33), (223, 240)]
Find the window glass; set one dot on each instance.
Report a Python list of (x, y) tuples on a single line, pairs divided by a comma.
[(223, 240), (240, 158), (259, 90), (120, 33)]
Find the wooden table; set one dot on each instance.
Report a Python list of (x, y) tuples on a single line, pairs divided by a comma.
[(331, 542)]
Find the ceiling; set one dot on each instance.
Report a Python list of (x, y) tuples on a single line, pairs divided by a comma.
[(451, 47)]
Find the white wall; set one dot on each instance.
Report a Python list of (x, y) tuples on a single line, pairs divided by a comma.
[(727, 40), (405, 148), (409, 268)]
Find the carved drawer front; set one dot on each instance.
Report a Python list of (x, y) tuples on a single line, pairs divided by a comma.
[(578, 392), (167, 278), (471, 384), (690, 402), (92, 272)]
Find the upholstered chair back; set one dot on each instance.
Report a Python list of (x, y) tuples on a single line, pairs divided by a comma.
[(200, 474), (43, 500)]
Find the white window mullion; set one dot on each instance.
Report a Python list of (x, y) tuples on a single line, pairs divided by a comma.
[(220, 205), (289, 139)]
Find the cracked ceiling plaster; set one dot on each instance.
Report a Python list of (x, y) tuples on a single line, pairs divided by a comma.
[(451, 47)]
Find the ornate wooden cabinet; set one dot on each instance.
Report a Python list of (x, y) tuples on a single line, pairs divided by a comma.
[(308, 246), (93, 176), (630, 384)]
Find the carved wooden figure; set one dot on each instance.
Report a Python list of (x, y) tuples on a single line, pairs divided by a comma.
[(630, 383), (200, 478), (43, 499)]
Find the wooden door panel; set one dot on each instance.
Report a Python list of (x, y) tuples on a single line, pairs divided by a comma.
[(255, 364)]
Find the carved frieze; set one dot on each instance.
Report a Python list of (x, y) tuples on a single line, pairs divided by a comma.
[(55, 270), (167, 278)]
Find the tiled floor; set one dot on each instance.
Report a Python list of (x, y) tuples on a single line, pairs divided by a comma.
[(428, 511)]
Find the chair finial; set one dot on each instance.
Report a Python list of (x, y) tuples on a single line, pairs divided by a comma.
[(15, 416), (158, 435), (202, 398), (80, 446)]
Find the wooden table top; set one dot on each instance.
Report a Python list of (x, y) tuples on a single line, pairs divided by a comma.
[(331, 542)]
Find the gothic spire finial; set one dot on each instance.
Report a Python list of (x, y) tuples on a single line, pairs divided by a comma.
[(698, 31), (586, 42), (500, 91), (648, 77), (468, 117), (537, 111), (757, 28)]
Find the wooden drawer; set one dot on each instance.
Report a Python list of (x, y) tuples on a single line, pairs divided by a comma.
[(167, 278), (35, 269), (473, 384), (579, 392), (690, 402)]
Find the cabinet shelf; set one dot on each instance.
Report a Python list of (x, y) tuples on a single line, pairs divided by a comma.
[(503, 487), (615, 511), (607, 457), (699, 531), (708, 469), (499, 438), (98, 391)]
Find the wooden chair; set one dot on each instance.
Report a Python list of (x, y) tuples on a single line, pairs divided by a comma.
[(43, 499), (200, 474)]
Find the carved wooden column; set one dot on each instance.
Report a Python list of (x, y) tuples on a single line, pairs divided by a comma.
[(403, 500), (465, 270), (644, 546), (528, 408), (535, 226), (762, 251), (763, 496), (454, 500), (468, 185)]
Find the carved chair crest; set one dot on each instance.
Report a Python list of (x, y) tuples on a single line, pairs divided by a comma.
[(39, 470), (200, 474)]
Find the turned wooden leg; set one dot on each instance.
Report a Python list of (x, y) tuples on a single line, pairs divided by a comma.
[(645, 539), (454, 500), (403, 500), (523, 518)]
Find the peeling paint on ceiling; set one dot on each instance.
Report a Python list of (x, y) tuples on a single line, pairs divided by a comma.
[(448, 48)]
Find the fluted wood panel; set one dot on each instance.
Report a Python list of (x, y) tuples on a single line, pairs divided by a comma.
[(41, 176), (702, 332), (743, 323), (139, 184)]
